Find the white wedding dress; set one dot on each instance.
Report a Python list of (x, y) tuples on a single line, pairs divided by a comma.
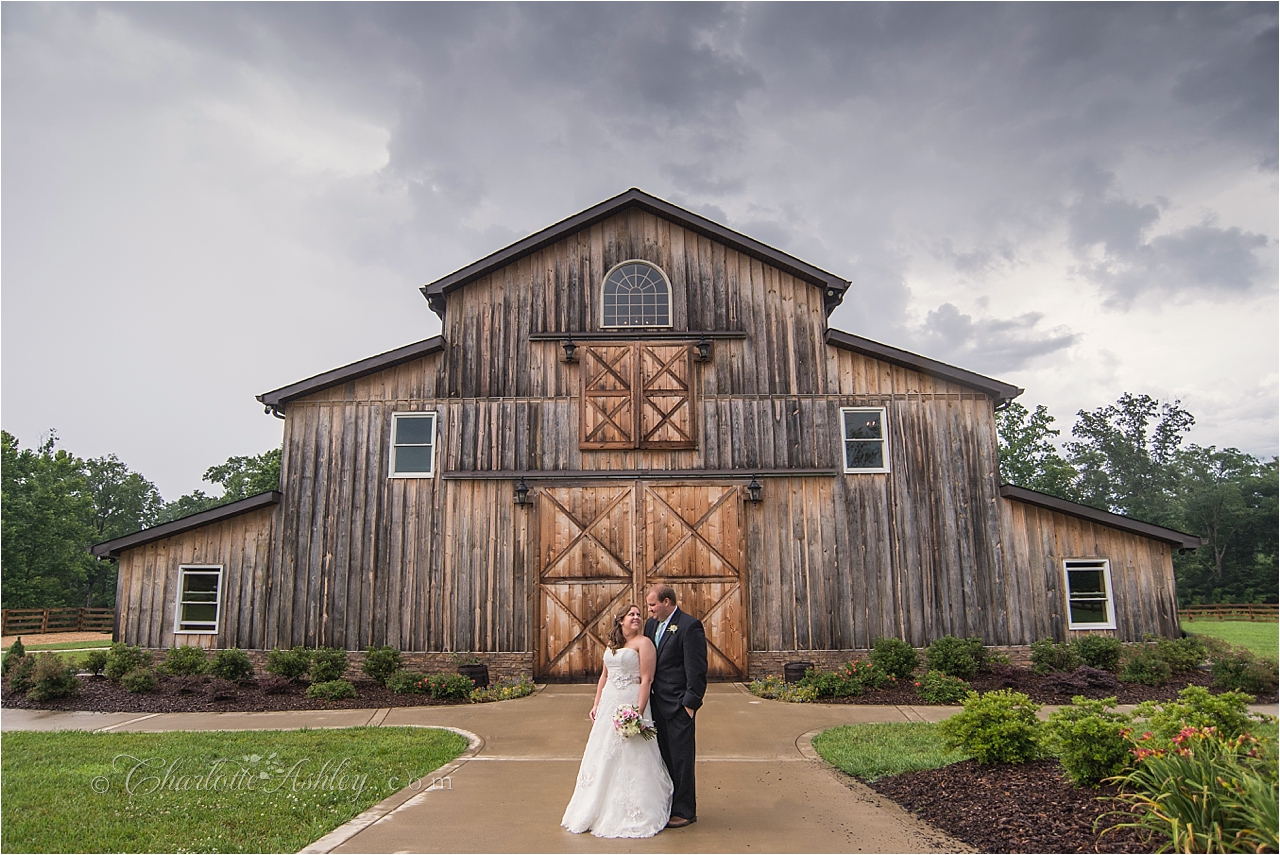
[(623, 788)]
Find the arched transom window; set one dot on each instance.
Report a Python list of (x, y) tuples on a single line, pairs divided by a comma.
[(636, 294)]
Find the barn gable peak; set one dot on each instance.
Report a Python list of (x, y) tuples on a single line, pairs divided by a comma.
[(833, 286)]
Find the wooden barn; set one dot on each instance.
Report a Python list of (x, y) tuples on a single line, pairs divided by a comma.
[(638, 394)]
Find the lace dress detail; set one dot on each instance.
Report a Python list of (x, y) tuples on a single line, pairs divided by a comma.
[(623, 789)]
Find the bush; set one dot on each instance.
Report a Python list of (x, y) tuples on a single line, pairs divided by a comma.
[(1145, 665), (405, 682), (1182, 654), (830, 684), (894, 657), (441, 686), (15, 652), (290, 664), (1239, 669), (865, 675), (937, 688), (231, 664), (20, 673), (141, 679), (95, 661), (331, 690), (52, 678), (1090, 739), (956, 657), (1228, 714), (184, 661), (995, 727), (380, 663), (328, 664), (1048, 655), (123, 658), (274, 684), (504, 690), (1099, 651), (774, 687)]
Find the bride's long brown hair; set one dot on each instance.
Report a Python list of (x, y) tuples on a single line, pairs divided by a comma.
[(616, 638)]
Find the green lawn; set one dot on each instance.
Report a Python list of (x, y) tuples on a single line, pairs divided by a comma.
[(66, 645), (264, 791), (872, 751), (1262, 637)]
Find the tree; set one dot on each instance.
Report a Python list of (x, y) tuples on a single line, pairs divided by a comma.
[(1028, 457), (123, 502), (239, 477)]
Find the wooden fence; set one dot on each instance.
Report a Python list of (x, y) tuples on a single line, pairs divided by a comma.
[(36, 621), (1231, 611)]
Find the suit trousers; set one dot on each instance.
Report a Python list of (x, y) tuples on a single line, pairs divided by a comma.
[(676, 743)]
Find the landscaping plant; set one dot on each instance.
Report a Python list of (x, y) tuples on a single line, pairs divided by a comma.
[(774, 687), (1240, 669), (328, 664), (938, 688), (290, 664), (1147, 666), (123, 658), (95, 661), (1099, 651), (1090, 739), (405, 682), (443, 686), (380, 663), (956, 657), (140, 679), (1182, 654), (1228, 714), (995, 727), (231, 664), (185, 661), (1048, 655), (274, 684), (333, 690), (894, 657), (15, 652), (52, 678), (504, 690), (20, 673)]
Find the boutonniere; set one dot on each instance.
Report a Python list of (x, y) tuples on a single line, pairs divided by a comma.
[(672, 629)]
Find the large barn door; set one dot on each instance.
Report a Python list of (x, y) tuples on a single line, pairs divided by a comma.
[(587, 545), (692, 540)]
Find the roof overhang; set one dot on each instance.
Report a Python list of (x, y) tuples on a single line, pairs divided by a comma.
[(1179, 539), (1003, 393), (274, 401), (113, 548), (833, 287)]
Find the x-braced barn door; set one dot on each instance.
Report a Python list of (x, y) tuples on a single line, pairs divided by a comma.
[(602, 546)]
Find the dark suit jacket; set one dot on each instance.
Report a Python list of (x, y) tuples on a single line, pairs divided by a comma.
[(680, 679)]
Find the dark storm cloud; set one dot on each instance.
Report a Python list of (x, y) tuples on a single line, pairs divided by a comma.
[(990, 344)]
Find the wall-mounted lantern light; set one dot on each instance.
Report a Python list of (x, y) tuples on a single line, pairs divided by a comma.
[(570, 350), (704, 349), (522, 494), (754, 490)]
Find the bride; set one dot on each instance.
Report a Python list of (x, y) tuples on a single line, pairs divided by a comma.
[(623, 788)]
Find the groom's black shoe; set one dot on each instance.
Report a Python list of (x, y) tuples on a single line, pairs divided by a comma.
[(680, 822)]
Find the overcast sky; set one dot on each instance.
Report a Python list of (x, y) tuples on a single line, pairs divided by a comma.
[(205, 202)]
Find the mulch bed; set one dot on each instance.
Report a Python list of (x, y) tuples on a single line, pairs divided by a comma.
[(1027, 808), (175, 694)]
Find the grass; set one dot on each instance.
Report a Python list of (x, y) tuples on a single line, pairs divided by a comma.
[(872, 751), (63, 645), (1262, 637), (264, 791)]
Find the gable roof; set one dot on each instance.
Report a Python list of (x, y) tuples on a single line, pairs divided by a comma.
[(1180, 539), (275, 401), (1001, 392), (833, 286), (113, 548)]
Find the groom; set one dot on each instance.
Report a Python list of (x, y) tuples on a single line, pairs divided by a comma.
[(679, 682)]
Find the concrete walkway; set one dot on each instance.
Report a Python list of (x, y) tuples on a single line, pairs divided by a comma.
[(760, 786)]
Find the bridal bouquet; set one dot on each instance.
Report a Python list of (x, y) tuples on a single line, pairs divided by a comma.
[(628, 722)]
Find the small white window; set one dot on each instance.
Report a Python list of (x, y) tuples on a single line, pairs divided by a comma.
[(199, 599), (636, 294), (413, 445), (866, 444), (1090, 604)]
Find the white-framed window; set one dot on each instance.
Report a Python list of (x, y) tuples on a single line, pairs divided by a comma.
[(199, 598), (413, 445), (1090, 603), (866, 441), (635, 294)]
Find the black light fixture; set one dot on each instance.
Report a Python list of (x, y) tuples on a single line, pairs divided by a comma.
[(704, 349), (753, 491), (570, 350), (522, 493)]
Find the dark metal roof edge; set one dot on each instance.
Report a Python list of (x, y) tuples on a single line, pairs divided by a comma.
[(277, 397), (112, 548), (660, 207), (1031, 497), (999, 390)]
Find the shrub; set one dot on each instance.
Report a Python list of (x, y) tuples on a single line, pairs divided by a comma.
[(15, 652), (140, 679), (1048, 655), (504, 690), (52, 678), (94, 662), (830, 684), (866, 675), (231, 664), (328, 664), (441, 686), (956, 657), (937, 688), (1091, 740), (995, 727), (1239, 669), (380, 663), (1145, 665), (274, 684), (290, 664), (1182, 654), (184, 661), (332, 690), (123, 658), (1099, 651), (20, 673), (1228, 713), (774, 687), (894, 657), (405, 682)]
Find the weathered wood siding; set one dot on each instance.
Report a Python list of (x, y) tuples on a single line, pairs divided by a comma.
[(147, 584)]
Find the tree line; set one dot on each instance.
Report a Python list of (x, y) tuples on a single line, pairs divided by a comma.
[(55, 505), (1129, 458)]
